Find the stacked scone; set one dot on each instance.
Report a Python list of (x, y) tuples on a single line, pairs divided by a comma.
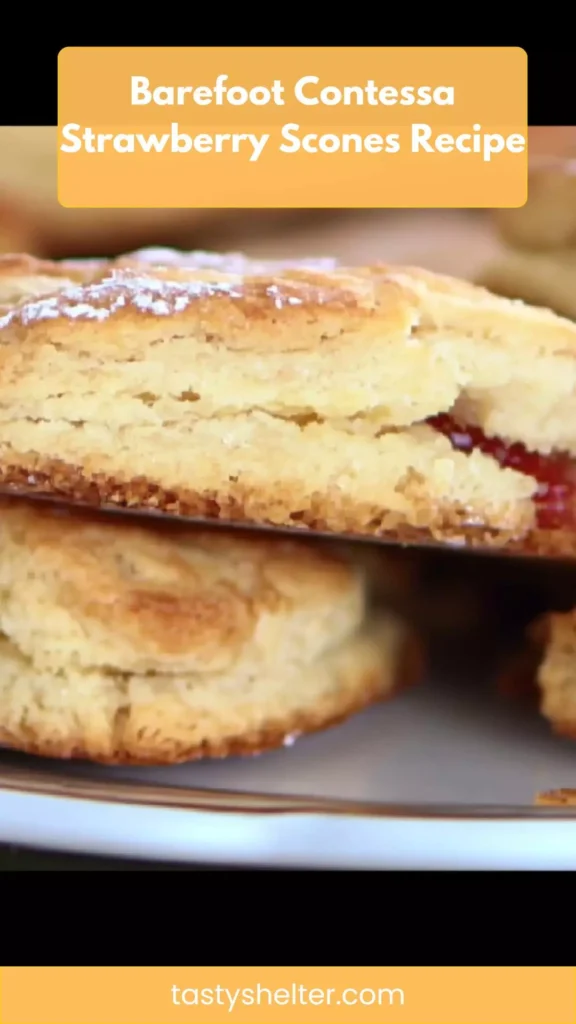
[(375, 402), (140, 641), (537, 261), (161, 644)]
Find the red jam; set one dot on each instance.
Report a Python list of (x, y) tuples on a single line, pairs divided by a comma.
[(555, 473)]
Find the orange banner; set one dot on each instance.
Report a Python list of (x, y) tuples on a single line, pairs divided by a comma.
[(310, 995), (255, 127)]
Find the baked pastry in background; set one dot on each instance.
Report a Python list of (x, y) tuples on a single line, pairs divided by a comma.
[(549, 663), (447, 595), (548, 218), (28, 198), (123, 643), (541, 277), (29, 203), (382, 401), (537, 260)]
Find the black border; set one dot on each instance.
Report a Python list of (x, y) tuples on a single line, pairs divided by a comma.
[(280, 917), (277, 917), (32, 99)]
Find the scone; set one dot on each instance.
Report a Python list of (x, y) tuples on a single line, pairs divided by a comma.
[(542, 277), (537, 260), (128, 644), (380, 401), (551, 653), (548, 219)]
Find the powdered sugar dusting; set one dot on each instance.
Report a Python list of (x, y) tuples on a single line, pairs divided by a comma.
[(118, 290), (143, 282), (227, 263), (280, 297)]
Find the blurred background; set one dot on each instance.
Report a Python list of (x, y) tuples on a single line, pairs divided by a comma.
[(527, 253), (32, 221)]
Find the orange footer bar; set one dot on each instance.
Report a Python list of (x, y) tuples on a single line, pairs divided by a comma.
[(294, 995)]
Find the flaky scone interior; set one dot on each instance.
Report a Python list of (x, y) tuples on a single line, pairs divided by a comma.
[(379, 401), (122, 643)]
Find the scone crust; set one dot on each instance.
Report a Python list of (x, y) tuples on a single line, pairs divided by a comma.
[(105, 593), (272, 503), (24, 277), (281, 395), (229, 293), (123, 643), (370, 667)]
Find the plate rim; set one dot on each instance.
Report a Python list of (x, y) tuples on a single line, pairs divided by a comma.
[(40, 782)]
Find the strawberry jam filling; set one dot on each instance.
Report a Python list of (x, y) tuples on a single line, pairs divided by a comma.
[(556, 473)]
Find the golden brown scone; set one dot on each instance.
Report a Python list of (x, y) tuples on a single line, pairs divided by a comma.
[(121, 643), (548, 219), (27, 277), (287, 396), (544, 278), (556, 798)]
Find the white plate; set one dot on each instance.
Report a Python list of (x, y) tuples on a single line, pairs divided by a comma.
[(444, 777)]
